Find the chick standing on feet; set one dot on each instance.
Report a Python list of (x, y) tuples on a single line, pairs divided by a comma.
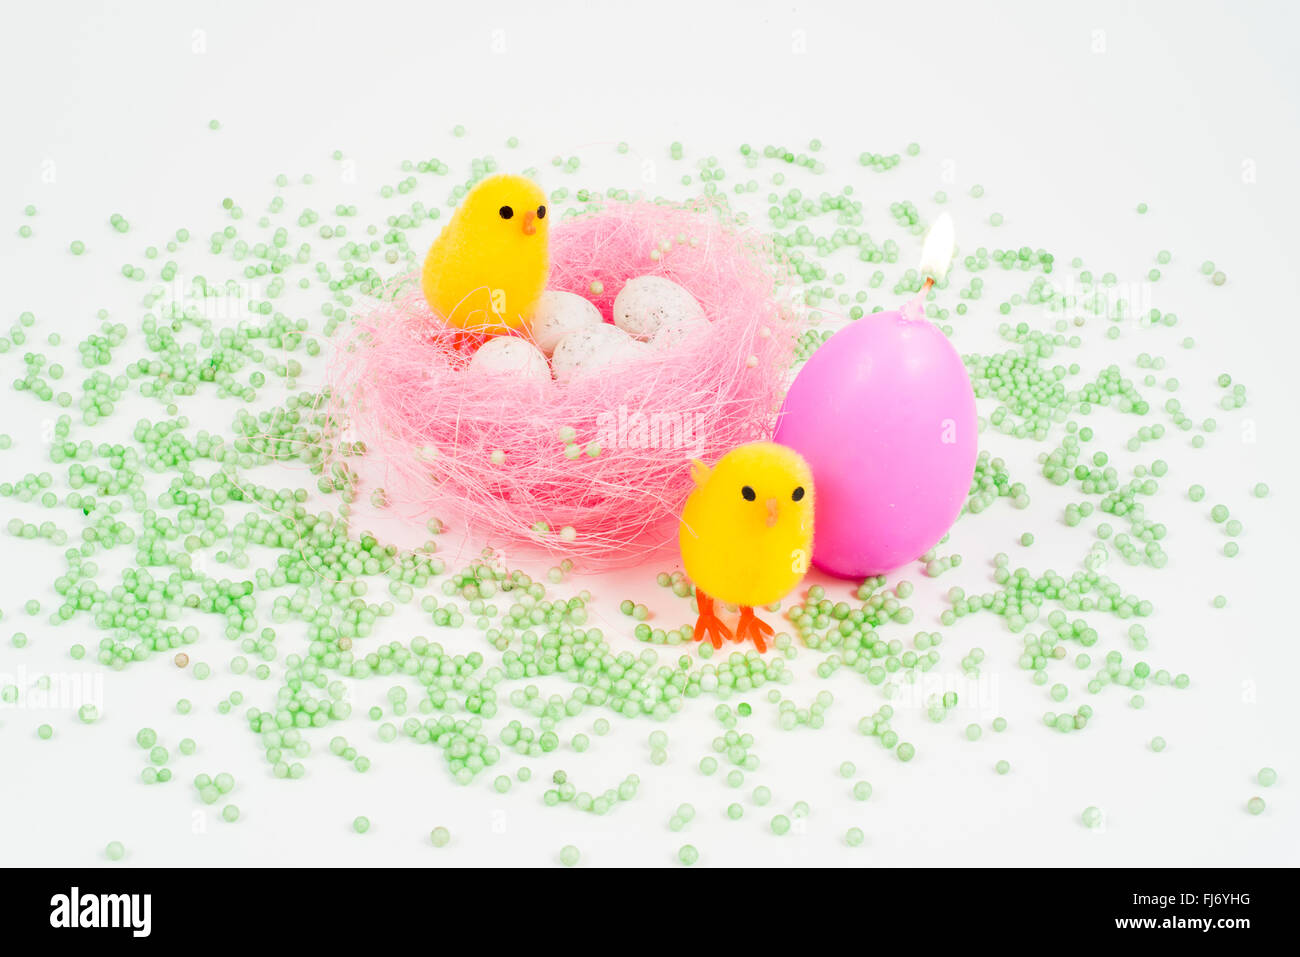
[(746, 535), (488, 267)]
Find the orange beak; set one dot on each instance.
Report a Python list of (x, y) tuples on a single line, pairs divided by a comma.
[(771, 512), (529, 227)]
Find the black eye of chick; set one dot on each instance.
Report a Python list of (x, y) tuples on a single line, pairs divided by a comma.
[(541, 212), (748, 493), (506, 212), (797, 494)]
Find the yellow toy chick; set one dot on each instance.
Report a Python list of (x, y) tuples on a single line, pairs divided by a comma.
[(488, 266), (746, 535)]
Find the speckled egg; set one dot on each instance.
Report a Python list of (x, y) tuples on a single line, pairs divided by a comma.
[(648, 302), (559, 313), (586, 350), (673, 332), (510, 355)]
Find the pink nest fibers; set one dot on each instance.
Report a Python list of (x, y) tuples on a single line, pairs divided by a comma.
[(595, 469)]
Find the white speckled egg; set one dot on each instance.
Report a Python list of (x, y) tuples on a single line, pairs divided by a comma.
[(587, 350), (559, 313), (647, 302), (510, 355), (673, 333)]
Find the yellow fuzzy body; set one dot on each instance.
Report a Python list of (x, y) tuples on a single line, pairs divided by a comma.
[(485, 272), (729, 547)]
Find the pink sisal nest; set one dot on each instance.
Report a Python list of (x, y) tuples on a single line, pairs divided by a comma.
[(399, 381)]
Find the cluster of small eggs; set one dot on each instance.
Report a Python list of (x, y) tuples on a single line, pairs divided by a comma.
[(569, 338)]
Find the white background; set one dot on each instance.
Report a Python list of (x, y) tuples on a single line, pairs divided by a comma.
[(1068, 114)]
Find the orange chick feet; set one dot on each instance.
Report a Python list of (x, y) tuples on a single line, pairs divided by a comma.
[(751, 626), (709, 625)]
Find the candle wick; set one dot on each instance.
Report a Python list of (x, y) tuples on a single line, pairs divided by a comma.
[(915, 308)]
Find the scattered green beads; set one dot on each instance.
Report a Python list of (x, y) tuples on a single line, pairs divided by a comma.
[(1266, 777), (196, 553)]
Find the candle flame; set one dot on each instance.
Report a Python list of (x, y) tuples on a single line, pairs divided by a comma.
[(936, 253)]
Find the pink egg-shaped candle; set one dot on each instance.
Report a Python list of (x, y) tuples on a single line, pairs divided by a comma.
[(884, 414)]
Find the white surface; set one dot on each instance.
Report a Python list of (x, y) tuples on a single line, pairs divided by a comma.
[(1190, 107)]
